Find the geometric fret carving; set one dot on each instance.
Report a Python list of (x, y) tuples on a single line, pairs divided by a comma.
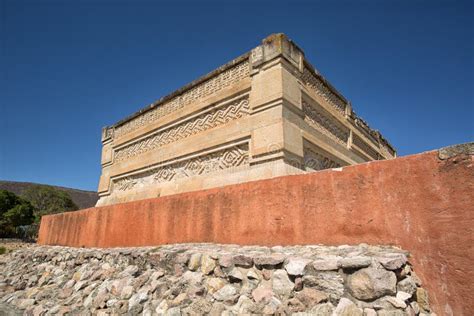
[(107, 133), (324, 124), (356, 140), (203, 122), (231, 157), (315, 84), (208, 87), (386, 152), (317, 161)]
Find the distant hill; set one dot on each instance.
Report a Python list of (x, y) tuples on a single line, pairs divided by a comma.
[(83, 199)]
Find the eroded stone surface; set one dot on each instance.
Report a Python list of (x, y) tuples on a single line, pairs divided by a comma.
[(190, 279)]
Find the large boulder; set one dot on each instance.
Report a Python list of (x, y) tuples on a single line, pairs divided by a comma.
[(226, 293), (355, 262), (393, 262), (269, 260), (407, 285), (207, 264), (370, 283), (331, 283), (347, 308), (281, 283), (325, 309), (296, 266), (310, 297)]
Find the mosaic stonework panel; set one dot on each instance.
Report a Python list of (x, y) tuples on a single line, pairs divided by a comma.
[(207, 88), (387, 152), (356, 140), (314, 161), (227, 158), (203, 122), (317, 85), (317, 119)]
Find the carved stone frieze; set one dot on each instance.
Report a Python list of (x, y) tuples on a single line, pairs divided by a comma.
[(322, 122), (232, 157), (207, 88), (356, 140), (107, 133), (320, 88), (314, 160), (217, 117)]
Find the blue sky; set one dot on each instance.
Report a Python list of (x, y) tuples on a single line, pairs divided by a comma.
[(67, 68)]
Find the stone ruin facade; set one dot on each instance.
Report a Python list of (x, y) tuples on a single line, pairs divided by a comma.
[(265, 114)]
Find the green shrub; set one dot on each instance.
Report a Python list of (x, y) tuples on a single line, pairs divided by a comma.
[(14, 212), (20, 216), (3, 250), (48, 200)]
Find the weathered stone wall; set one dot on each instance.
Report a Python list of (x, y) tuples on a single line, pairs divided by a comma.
[(422, 203), (265, 114), (202, 279)]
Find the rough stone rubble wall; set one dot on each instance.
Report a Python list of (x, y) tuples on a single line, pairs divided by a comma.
[(201, 279)]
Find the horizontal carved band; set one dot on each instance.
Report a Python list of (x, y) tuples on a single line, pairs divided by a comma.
[(314, 160), (209, 87), (231, 157), (316, 85), (356, 140), (203, 122), (322, 122)]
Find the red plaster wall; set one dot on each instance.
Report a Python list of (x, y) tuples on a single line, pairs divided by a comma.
[(420, 203)]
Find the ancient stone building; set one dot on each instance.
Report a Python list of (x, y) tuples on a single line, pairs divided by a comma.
[(266, 113)]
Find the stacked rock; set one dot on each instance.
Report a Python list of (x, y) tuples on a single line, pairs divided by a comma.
[(190, 279)]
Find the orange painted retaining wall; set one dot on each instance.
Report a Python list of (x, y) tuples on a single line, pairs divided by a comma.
[(420, 203)]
